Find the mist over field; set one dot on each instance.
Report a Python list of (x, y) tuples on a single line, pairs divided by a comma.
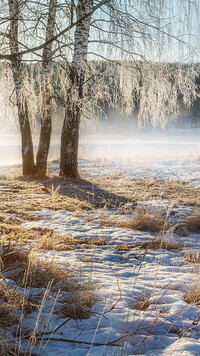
[(115, 141)]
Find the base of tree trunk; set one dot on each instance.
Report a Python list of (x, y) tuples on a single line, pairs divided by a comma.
[(69, 145), (67, 174), (28, 166), (30, 171)]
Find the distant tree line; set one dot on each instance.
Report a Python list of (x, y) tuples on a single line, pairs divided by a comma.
[(104, 91)]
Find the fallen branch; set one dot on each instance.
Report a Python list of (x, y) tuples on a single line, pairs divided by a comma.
[(81, 342)]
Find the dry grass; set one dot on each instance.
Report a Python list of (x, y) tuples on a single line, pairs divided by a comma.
[(148, 219), (144, 189), (47, 276), (12, 258), (153, 244), (88, 260), (10, 219), (21, 196), (40, 273), (12, 304), (190, 223), (143, 302), (142, 219), (7, 350), (78, 305), (21, 234), (193, 222), (193, 257), (60, 242), (45, 238), (193, 296), (125, 247), (158, 243), (34, 273), (7, 316)]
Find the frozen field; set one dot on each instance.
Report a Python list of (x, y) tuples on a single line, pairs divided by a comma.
[(142, 303)]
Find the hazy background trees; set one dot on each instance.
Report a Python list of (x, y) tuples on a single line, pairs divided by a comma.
[(87, 56)]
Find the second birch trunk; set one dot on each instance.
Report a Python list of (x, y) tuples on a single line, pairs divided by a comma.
[(46, 120)]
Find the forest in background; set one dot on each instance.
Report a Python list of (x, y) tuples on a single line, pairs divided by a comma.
[(104, 100)]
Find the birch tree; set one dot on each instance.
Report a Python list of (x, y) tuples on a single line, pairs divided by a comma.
[(16, 64), (70, 130), (129, 46), (22, 105), (133, 36), (46, 116)]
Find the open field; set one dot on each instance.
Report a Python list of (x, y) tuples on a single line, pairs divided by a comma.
[(105, 265)]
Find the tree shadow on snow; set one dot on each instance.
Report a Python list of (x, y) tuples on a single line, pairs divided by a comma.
[(85, 190)]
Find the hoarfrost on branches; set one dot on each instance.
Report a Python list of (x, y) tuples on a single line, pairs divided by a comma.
[(8, 110), (155, 90)]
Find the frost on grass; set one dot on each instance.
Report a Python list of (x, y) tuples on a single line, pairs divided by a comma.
[(154, 244), (142, 219), (30, 285), (21, 197), (133, 270), (45, 238), (189, 223)]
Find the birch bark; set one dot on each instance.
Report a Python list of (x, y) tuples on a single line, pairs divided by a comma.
[(46, 121), (28, 166), (70, 130)]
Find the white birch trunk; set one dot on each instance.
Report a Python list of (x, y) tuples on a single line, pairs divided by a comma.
[(70, 131), (46, 122), (16, 65)]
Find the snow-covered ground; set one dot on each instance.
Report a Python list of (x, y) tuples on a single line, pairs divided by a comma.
[(169, 325), (167, 155)]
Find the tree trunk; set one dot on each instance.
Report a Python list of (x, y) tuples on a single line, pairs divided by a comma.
[(46, 121), (69, 141), (28, 167), (26, 138), (70, 130)]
